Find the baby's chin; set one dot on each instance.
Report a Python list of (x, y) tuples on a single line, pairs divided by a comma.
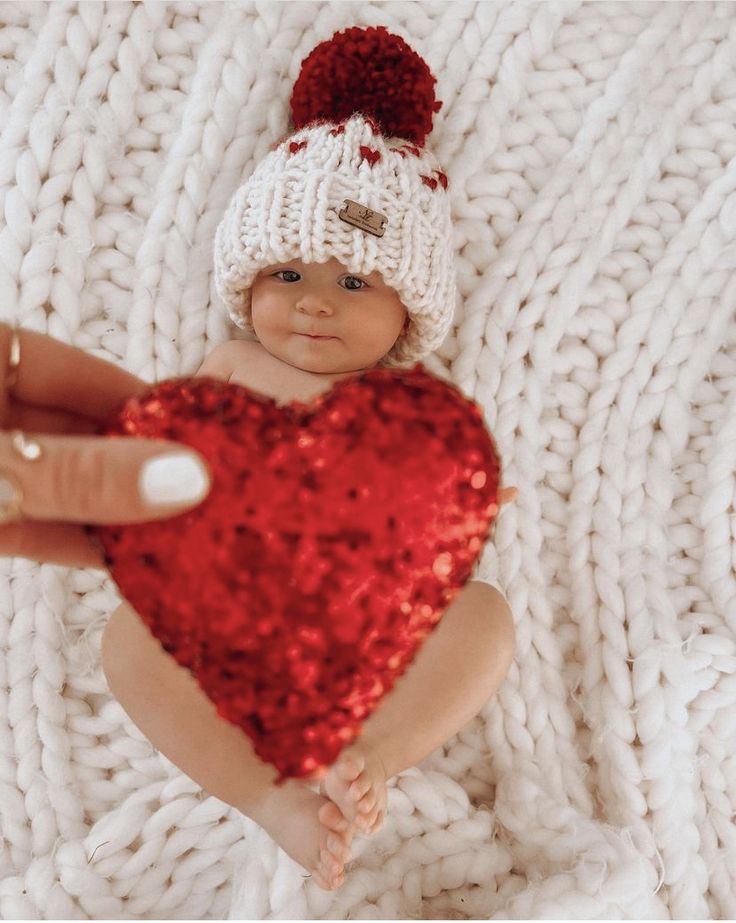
[(316, 359)]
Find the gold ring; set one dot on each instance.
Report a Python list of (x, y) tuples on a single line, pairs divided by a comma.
[(11, 490), (11, 375)]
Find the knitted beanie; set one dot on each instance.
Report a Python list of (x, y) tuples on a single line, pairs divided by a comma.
[(353, 182)]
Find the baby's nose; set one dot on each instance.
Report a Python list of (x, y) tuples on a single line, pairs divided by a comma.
[(313, 303)]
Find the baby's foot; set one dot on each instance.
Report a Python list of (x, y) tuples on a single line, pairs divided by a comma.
[(309, 828), (356, 782)]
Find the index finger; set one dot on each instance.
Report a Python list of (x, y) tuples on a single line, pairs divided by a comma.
[(55, 375)]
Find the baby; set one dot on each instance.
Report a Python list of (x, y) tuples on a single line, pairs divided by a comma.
[(354, 321), (336, 255)]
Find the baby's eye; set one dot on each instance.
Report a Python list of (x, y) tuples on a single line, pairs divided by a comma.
[(291, 272)]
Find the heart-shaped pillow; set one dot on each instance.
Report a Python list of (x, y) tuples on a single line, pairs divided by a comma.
[(335, 535)]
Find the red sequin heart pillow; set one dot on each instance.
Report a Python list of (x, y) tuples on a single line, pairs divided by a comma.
[(335, 535)]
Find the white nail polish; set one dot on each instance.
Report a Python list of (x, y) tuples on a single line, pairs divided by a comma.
[(173, 479)]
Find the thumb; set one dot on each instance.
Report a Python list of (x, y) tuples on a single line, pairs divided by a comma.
[(105, 480)]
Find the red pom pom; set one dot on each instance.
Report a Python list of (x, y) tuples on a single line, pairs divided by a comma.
[(370, 71)]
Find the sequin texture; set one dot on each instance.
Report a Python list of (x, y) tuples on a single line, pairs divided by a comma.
[(334, 537)]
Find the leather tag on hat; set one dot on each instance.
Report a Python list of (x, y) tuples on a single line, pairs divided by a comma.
[(364, 218)]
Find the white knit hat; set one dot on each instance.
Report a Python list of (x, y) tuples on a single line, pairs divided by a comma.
[(352, 182)]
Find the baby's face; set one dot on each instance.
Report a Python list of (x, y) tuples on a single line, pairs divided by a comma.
[(362, 316)]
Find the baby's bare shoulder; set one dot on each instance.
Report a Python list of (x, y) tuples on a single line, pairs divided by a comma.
[(228, 356)]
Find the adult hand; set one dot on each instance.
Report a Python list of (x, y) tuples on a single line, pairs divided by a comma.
[(59, 397)]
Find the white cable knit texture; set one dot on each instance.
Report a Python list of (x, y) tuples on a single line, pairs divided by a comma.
[(591, 156)]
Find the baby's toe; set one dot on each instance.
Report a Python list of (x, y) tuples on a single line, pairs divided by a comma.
[(364, 822), (349, 765), (377, 823), (338, 848), (360, 788), (329, 867), (319, 878), (332, 817), (329, 882), (367, 803), (371, 822)]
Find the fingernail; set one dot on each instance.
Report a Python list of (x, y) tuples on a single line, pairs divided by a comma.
[(173, 479)]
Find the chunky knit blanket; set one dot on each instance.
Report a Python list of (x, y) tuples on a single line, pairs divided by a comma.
[(591, 155)]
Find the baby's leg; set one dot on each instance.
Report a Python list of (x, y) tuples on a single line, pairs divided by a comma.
[(166, 703), (457, 670)]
